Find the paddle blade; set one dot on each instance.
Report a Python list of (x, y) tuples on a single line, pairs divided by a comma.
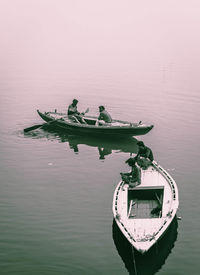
[(86, 111), (32, 128)]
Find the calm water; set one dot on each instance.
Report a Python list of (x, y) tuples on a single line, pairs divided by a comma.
[(142, 61)]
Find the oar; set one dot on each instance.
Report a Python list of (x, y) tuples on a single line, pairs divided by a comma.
[(86, 111), (26, 130), (81, 117)]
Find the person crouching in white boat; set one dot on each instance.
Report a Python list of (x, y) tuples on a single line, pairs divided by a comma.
[(132, 178), (104, 116), (144, 156)]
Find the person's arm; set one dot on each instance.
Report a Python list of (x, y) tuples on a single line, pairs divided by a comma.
[(137, 156), (100, 116), (72, 111), (139, 176), (149, 154), (76, 112), (69, 111), (109, 118), (125, 179), (123, 182)]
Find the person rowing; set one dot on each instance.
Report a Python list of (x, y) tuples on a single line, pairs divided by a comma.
[(104, 116), (74, 114)]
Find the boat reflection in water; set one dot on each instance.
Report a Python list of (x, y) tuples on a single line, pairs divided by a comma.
[(105, 145), (154, 259)]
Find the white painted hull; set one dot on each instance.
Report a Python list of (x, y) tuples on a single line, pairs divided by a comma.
[(132, 207)]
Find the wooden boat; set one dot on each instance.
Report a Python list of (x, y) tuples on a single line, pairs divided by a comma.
[(117, 127), (144, 213)]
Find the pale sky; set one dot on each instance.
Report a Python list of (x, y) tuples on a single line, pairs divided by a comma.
[(37, 33)]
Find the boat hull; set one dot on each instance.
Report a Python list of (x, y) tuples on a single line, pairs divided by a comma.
[(139, 224), (130, 130), (154, 259)]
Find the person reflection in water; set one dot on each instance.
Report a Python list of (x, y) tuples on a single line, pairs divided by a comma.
[(104, 116), (132, 178), (104, 152), (74, 147)]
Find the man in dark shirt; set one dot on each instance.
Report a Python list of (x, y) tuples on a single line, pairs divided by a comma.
[(73, 113), (144, 156), (132, 178), (104, 115), (72, 109)]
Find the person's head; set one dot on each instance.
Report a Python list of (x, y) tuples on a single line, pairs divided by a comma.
[(74, 102), (101, 108), (131, 162), (140, 144)]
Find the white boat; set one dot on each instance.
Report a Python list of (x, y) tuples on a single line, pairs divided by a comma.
[(143, 213)]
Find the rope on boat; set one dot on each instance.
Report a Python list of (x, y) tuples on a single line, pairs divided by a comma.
[(133, 254)]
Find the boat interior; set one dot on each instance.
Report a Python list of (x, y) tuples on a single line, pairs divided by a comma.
[(89, 120), (145, 203)]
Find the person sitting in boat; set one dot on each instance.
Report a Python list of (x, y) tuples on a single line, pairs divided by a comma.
[(104, 116), (132, 178), (144, 156), (73, 113)]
